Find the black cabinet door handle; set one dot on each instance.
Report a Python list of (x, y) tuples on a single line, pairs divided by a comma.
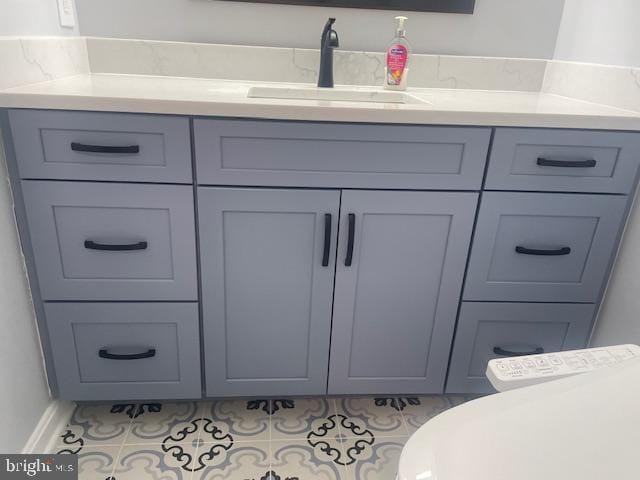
[(123, 150), (511, 353), (104, 353), (350, 239), (327, 240), (543, 252), (550, 162), (110, 247)]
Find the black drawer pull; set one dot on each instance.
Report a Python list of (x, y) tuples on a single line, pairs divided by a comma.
[(352, 231), (549, 162), (124, 150), (327, 240), (511, 353), (91, 245), (104, 353), (545, 253)]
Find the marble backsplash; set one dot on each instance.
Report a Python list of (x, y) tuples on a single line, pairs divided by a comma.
[(235, 62), (609, 85), (38, 59)]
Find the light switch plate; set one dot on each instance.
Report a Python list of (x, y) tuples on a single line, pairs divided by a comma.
[(65, 10)]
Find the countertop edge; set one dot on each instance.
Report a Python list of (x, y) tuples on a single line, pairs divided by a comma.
[(317, 113)]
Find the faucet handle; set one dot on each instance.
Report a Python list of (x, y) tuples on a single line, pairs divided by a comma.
[(329, 34), (332, 39)]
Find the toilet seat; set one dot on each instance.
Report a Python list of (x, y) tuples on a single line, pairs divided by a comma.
[(585, 427)]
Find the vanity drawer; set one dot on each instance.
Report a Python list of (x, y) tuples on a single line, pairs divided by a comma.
[(125, 351), (101, 146), (543, 247), (494, 330), (242, 152), (100, 241), (563, 160)]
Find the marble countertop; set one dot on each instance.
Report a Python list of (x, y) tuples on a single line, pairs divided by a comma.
[(228, 98)]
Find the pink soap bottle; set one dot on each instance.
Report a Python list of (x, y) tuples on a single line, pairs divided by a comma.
[(396, 69)]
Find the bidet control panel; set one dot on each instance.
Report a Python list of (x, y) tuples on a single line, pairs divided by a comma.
[(516, 372)]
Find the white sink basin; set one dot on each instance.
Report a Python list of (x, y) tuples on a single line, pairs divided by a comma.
[(333, 94)]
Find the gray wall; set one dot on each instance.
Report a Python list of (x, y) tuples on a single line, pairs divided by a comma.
[(619, 320), (31, 17), (596, 31), (607, 33), (515, 28), (24, 391)]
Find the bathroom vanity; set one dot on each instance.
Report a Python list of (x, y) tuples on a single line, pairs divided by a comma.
[(190, 255)]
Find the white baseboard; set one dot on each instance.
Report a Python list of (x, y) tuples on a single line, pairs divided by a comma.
[(51, 423)]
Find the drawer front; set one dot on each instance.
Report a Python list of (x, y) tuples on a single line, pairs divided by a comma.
[(240, 152), (492, 330), (101, 146), (125, 351), (543, 247), (112, 241), (563, 160)]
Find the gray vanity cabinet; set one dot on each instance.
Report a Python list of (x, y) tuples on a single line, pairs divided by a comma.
[(401, 260), (181, 257), (268, 263)]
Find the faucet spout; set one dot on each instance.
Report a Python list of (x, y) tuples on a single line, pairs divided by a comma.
[(328, 42)]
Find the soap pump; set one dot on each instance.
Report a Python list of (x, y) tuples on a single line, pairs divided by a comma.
[(396, 69)]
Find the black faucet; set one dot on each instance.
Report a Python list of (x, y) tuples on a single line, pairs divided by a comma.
[(328, 42)]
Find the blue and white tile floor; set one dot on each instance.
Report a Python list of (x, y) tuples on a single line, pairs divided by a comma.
[(350, 438)]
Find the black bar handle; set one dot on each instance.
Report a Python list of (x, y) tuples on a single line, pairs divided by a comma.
[(550, 162), (545, 253), (352, 231), (327, 240), (91, 245), (510, 353), (104, 353), (126, 149)]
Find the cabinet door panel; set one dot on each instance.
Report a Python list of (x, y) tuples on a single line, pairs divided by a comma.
[(395, 305), (266, 294)]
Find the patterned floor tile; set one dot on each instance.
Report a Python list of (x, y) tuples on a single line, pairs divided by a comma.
[(95, 463), (244, 420), (279, 439), (381, 416), (153, 422), (376, 462), (294, 418), (418, 410), (93, 425), (225, 461), (317, 459), (156, 462)]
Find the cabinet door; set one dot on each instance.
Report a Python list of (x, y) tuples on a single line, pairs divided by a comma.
[(268, 265), (396, 301)]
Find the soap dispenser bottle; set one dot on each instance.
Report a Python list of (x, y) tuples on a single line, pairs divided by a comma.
[(396, 69)]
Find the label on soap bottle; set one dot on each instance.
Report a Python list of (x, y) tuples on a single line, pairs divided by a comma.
[(396, 63)]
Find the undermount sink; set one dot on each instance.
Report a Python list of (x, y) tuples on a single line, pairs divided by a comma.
[(333, 94)]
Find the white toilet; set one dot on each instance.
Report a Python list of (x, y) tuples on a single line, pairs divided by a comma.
[(584, 427)]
